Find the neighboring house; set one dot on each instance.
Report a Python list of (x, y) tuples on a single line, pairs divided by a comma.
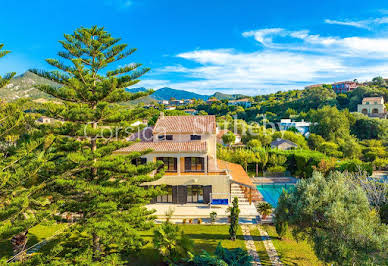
[(191, 111), (241, 102), (303, 127), (170, 107), (138, 123), (188, 101), (165, 102), (187, 146), (45, 120), (176, 102), (373, 107), (212, 100), (283, 144), (344, 86)]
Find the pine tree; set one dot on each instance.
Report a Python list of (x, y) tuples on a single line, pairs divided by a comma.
[(234, 215), (24, 202), (4, 80), (103, 190)]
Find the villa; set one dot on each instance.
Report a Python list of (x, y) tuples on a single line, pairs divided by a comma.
[(344, 86), (187, 146), (303, 127), (283, 144), (246, 103), (373, 107)]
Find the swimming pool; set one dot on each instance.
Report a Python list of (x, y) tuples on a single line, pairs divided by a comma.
[(271, 192)]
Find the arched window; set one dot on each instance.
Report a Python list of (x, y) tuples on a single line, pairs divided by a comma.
[(364, 111), (375, 111)]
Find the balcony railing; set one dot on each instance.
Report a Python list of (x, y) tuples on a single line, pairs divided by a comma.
[(196, 173)]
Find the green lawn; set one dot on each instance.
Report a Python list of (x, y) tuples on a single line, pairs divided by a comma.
[(35, 235), (290, 251), (205, 237)]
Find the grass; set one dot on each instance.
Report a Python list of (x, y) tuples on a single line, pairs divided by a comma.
[(260, 248), (35, 235), (205, 237), (289, 250)]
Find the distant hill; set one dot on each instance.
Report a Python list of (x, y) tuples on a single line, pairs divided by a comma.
[(223, 96), (168, 93), (24, 86)]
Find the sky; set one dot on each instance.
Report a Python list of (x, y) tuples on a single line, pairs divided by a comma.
[(247, 46)]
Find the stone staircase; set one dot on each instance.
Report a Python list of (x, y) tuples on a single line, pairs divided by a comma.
[(236, 191)]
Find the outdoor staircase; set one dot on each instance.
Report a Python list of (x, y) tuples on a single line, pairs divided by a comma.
[(236, 191)]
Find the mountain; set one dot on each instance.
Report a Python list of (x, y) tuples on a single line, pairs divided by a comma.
[(168, 93), (24, 86), (223, 96)]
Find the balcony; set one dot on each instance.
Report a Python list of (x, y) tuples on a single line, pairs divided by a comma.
[(221, 172)]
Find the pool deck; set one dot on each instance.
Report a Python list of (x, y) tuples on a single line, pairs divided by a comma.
[(274, 180)]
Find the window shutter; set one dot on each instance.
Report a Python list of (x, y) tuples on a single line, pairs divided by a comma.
[(206, 193), (182, 194)]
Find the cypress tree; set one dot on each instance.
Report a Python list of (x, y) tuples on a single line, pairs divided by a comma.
[(234, 215), (100, 189)]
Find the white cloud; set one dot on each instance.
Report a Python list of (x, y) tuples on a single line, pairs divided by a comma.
[(287, 59), (366, 24)]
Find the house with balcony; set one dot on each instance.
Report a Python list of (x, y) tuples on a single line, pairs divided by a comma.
[(187, 146), (246, 103), (373, 107), (302, 126), (344, 86)]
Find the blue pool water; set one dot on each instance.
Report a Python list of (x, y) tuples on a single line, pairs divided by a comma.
[(271, 192)]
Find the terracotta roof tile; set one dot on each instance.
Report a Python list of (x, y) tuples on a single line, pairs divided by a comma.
[(186, 124), (236, 171), (166, 146)]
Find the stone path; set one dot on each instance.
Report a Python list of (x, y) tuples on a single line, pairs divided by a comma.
[(272, 253), (250, 244)]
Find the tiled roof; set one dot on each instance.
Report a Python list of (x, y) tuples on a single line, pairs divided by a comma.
[(279, 141), (372, 98), (236, 171), (186, 124), (166, 146)]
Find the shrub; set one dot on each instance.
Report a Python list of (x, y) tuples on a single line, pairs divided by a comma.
[(223, 257), (213, 217), (173, 245), (276, 169), (264, 208)]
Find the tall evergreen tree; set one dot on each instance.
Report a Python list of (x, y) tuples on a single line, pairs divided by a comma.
[(7, 77), (24, 201), (101, 188), (234, 216)]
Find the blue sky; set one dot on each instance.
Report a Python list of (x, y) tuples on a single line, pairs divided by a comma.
[(246, 46)]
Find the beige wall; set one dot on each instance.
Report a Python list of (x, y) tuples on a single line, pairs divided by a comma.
[(219, 183), (370, 107), (210, 139)]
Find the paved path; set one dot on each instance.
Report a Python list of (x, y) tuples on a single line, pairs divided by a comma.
[(250, 244), (272, 253)]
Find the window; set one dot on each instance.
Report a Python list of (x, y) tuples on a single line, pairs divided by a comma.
[(165, 137), (139, 161), (194, 194), (167, 198), (195, 137), (169, 162), (194, 164)]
